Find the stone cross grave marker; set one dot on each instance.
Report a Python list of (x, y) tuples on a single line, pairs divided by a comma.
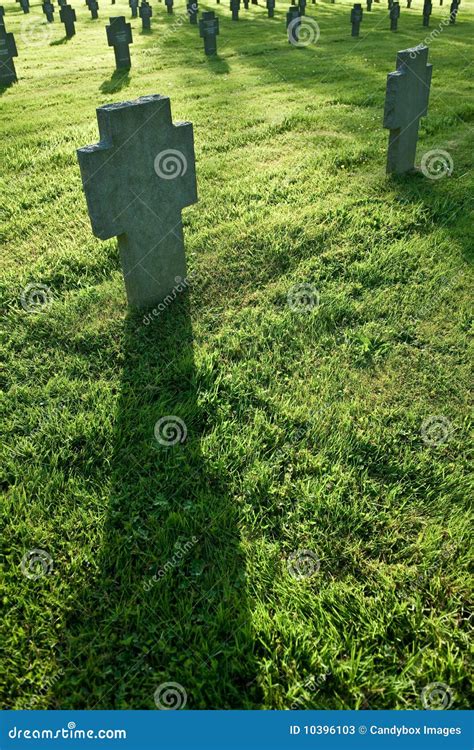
[(7, 52), (271, 8), (356, 18), (369, 5), (133, 7), (302, 7), (208, 30), (25, 6), (145, 14), (293, 22), (93, 6), (427, 8), (406, 101), (137, 180), (169, 5), (119, 36), (68, 17), (235, 7), (48, 10), (192, 10), (394, 16), (453, 11)]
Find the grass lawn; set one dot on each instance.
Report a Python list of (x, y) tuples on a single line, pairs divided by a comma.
[(337, 433)]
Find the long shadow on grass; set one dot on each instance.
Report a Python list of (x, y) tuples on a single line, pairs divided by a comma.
[(168, 601)]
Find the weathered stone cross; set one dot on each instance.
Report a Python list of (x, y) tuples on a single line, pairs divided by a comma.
[(406, 101), (137, 180)]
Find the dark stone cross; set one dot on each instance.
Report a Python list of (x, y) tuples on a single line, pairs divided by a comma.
[(235, 7), (453, 11), (169, 5), (137, 180), (208, 30), (119, 36), (134, 7), (406, 101), (7, 52), (302, 7), (408, 3), (93, 6), (246, 4), (369, 5), (394, 16), (271, 8), (427, 8), (61, 3), (48, 10), (25, 6), (293, 23), (356, 18), (68, 17), (192, 10), (145, 14)]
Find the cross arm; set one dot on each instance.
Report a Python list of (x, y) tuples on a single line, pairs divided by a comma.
[(99, 188), (395, 94)]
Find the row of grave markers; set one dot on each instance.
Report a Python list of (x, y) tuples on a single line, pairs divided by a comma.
[(142, 153)]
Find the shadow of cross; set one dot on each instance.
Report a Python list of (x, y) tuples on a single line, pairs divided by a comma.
[(406, 101), (137, 180)]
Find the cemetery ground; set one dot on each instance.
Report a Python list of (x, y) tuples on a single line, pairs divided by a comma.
[(306, 545)]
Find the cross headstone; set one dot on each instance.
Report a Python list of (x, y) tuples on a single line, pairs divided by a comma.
[(246, 4), (145, 14), (2, 15), (427, 8), (356, 18), (302, 7), (25, 6), (293, 22), (208, 30), (48, 10), (271, 8), (406, 101), (119, 36), (235, 7), (68, 17), (369, 5), (134, 7), (62, 3), (93, 6), (7, 52), (394, 16), (453, 11), (169, 5), (389, 4), (137, 180), (192, 9), (408, 3)]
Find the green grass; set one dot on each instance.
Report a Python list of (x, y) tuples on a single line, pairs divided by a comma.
[(304, 429)]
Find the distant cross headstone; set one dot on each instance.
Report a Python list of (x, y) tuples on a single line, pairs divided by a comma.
[(7, 52), (302, 7), (48, 10), (134, 7), (169, 5), (293, 22), (246, 4), (25, 6), (453, 11), (93, 7), (145, 14), (427, 8), (62, 3), (271, 8), (356, 18), (192, 9), (408, 3), (137, 180), (394, 16), (235, 7), (406, 101), (389, 4), (369, 5), (68, 17), (119, 36), (208, 30)]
